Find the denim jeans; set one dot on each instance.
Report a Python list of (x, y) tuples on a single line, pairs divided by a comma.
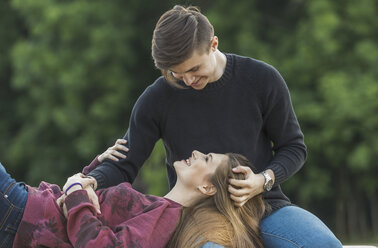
[(13, 198), (293, 227)]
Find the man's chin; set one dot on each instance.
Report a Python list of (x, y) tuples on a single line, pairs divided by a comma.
[(200, 86)]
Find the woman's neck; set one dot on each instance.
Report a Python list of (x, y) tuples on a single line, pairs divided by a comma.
[(183, 195)]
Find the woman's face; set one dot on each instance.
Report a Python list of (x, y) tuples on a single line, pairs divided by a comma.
[(196, 170), (198, 70)]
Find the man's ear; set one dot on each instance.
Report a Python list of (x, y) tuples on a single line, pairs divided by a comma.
[(208, 190), (214, 43)]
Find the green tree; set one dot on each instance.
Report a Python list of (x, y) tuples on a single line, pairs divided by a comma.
[(79, 72), (11, 30), (70, 72)]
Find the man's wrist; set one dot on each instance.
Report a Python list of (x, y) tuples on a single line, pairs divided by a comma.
[(261, 181), (268, 180)]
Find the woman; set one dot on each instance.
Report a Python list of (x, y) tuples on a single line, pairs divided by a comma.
[(220, 102), (129, 218)]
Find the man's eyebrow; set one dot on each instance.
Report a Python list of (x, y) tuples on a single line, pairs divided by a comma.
[(194, 67)]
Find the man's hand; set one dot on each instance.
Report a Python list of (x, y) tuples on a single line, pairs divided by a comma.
[(243, 190)]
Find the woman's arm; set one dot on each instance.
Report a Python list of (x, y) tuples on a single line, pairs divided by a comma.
[(150, 226), (112, 153)]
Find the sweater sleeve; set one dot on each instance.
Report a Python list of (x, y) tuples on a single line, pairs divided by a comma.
[(282, 127), (150, 228), (143, 133), (93, 165)]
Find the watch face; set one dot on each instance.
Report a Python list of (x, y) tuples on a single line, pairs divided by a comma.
[(268, 182), (269, 185)]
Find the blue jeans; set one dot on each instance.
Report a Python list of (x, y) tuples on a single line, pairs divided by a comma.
[(13, 198), (293, 227)]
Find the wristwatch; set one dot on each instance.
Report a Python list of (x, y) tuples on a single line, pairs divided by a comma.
[(268, 181)]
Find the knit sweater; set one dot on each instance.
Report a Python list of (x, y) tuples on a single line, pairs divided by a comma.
[(247, 111), (128, 219)]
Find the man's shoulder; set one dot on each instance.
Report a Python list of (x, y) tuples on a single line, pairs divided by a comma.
[(253, 74), (159, 89), (249, 63)]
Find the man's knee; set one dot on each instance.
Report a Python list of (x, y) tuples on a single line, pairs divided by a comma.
[(311, 241)]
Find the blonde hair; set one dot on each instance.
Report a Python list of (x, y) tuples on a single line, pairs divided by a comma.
[(217, 219)]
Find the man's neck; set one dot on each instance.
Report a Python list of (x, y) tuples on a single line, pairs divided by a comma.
[(221, 61)]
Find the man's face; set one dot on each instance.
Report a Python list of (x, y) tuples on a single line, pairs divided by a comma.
[(197, 71)]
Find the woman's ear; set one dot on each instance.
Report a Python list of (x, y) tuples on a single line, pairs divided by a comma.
[(208, 190)]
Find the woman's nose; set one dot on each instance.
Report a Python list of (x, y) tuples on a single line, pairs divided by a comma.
[(197, 154)]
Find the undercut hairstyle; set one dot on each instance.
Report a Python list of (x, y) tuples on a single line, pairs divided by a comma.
[(178, 33)]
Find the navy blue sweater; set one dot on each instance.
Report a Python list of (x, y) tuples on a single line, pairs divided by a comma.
[(247, 111)]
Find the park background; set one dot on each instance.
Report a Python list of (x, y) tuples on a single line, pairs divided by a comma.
[(70, 72)]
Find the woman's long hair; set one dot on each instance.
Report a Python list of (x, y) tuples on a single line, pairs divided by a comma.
[(217, 219)]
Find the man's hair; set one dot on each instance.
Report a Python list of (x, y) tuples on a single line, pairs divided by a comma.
[(217, 219), (178, 33)]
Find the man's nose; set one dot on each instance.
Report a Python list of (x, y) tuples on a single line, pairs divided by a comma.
[(188, 79)]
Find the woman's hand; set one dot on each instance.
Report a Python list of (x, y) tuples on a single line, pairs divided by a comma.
[(91, 194), (243, 190), (86, 184), (113, 152), (60, 202), (82, 181)]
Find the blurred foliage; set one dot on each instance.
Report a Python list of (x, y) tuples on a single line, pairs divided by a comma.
[(70, 72)]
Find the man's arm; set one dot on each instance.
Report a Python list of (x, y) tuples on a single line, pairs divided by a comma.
[(143, 133), (282, 127)]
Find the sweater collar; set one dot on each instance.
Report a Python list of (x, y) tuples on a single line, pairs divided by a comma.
[(223, 80), (226, 76)]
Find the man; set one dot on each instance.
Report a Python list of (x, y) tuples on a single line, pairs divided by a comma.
[(218, 102)]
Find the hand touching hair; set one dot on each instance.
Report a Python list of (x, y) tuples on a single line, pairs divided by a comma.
[(217, 219)]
